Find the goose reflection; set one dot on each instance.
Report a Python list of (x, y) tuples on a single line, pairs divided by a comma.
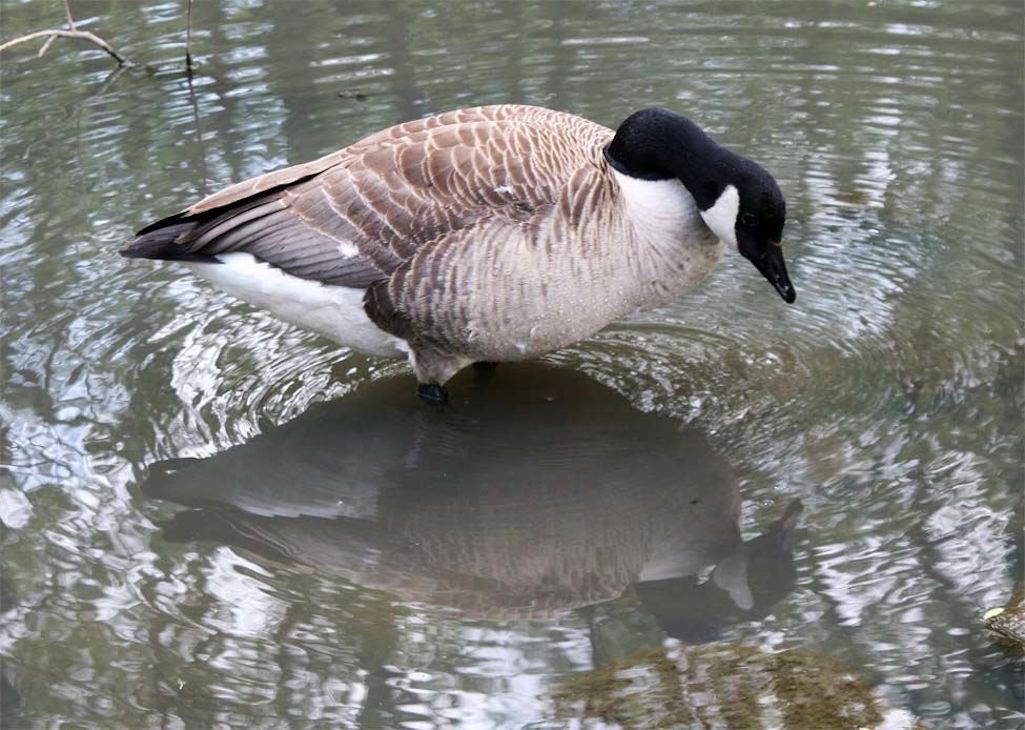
[(537, 492)]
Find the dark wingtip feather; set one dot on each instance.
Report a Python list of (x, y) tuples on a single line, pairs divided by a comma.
[(160, 241), (142, 248)]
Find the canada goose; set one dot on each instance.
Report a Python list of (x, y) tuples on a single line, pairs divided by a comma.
[(489, 234), (544, 492)]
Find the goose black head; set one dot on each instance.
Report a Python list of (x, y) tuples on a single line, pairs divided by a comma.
[(739, 200)]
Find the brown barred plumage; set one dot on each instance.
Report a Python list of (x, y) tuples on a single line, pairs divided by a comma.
[(493, 233)]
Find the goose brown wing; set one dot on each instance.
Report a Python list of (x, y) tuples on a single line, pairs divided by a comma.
[(354, 217)]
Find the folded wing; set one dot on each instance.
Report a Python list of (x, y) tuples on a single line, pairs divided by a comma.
[(356, 216)]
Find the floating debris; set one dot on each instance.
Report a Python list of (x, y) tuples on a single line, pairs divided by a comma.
[(355, 93)]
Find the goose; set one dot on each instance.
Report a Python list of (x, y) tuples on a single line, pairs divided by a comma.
[(489, 234)]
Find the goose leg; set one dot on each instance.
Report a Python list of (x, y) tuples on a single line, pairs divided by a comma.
[(433, 369)]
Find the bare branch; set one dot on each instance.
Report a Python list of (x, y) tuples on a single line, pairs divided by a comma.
[(58, 33), (46, 46), (67, 14)]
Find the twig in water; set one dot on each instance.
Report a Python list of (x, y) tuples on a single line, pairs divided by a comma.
[(58, 33), (46, 46), (67, 14), (188, 37), (72, 32)]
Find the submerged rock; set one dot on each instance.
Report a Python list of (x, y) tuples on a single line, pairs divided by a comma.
[(1008, 623), (735, 686)]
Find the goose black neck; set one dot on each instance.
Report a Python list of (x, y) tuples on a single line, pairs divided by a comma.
[(657, 144)]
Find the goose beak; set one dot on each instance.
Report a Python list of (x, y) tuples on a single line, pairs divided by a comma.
[(774, 268)]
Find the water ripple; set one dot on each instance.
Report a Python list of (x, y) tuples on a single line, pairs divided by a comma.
[(888, 398)]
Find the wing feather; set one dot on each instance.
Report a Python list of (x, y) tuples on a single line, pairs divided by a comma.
[(358, 215)]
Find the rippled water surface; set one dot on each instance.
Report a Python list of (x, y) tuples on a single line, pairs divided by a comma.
[(727, 511)]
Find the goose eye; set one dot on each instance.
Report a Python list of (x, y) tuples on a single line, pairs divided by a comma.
[(748, 219)]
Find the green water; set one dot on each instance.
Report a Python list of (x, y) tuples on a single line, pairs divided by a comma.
[(213, 519)]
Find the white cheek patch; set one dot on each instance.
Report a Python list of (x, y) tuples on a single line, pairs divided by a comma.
[(721, 218)]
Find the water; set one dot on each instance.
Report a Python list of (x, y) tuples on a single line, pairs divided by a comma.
[(726, 506)]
